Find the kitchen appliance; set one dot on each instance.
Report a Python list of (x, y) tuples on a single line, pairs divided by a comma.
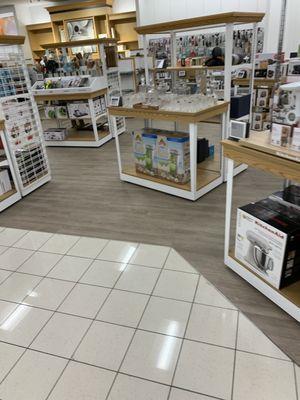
[(258, 251)]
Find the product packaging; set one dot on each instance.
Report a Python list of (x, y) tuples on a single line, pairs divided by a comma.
[(61, 112), (295, 140), (55, 134), (281, 135), (5, 184), (144, 150), (50, 112), (78, 110), (173, 157), (268, 243)]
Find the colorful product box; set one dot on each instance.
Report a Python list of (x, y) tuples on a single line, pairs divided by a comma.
[(79, 110), (144, 149), (173, 157)]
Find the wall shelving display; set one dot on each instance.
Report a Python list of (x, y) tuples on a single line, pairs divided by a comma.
[(73, 97), (23, 130), (281, 162), (206, 174), (9, 189)]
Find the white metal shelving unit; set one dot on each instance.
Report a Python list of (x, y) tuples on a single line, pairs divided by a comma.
[(223, 20), (23, 130), (12, 196), (108, 84), (280, 162)]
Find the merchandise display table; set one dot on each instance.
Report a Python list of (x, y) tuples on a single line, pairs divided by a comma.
[(203, 177), (93, 138), (258, 154)]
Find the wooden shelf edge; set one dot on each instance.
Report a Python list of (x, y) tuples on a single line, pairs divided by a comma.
[(86, 42), (8, 194), (291, 292), (69, 96), (214, 19), (11, 39)]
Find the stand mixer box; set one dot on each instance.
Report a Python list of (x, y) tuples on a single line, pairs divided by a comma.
[(268, 243)]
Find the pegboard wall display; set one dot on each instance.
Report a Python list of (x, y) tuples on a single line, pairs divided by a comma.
[(201, 45)]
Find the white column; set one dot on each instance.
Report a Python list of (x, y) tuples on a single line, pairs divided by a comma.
[(193, 157), (229, 187)]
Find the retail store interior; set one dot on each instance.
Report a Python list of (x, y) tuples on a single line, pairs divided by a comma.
[(149, 200)]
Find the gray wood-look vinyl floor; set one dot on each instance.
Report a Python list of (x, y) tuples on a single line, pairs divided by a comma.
[(86, 197)]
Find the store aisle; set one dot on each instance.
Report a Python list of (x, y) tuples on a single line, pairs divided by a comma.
[(88, 318)]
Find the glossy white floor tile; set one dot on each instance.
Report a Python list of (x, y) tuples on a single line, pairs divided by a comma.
[(123, 308), (150, 256), (179, 394), (213, 325), (9, 236), (205, 369), (208, 294), (61, 335), (139, 279), (152, 356), (17, 286), (176, 285), (23, 324), (166, 316), (104, 345), (93, 319), (40, 263), (130, 388), (9, 356), (13, 258), (87, 247), (49, 293), (80, 382), (4, 275), (267, 377), (251, 339), (32, 377), (118, 251), (176, 262), (103, 273), (70, 268), (33, 240), (84, 300), (6, 308), (60, 244)]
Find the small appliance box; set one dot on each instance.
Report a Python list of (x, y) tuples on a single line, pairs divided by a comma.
[(55, 134), (239, 105), (5, 184), (78, 110), (173, 157), (268, 243), (144, 150), (61, 112)]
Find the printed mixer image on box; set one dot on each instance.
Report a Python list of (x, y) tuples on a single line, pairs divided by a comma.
[(163, 154)]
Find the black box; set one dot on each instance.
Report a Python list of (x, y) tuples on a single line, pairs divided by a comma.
[(202, 149), (239, 106)]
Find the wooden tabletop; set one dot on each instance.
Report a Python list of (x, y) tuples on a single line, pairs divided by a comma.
[(69, 96), (162, 115), (263, 160), (198, 22)]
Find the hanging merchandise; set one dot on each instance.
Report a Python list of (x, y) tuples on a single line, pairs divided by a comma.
[(200, 45)]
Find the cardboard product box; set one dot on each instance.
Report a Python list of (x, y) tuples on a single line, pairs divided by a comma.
[(288, 210), (257, 121), (289, 196), (5, 184), (55, 134), (268, 243), (144, 150), (61, 112), (239, 105), (266, 125), (271, 71), (294, 67), (173, 157), (50, 112), (262, 93), (257, 126), (281, 134), (262, 102), (79, 110), (295, 140)]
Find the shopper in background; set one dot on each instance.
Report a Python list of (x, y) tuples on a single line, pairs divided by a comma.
[(217, 58)]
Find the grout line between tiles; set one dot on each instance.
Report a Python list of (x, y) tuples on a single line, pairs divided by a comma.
[(86, 332), (136, 329), (181, 345), (235, 351)]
